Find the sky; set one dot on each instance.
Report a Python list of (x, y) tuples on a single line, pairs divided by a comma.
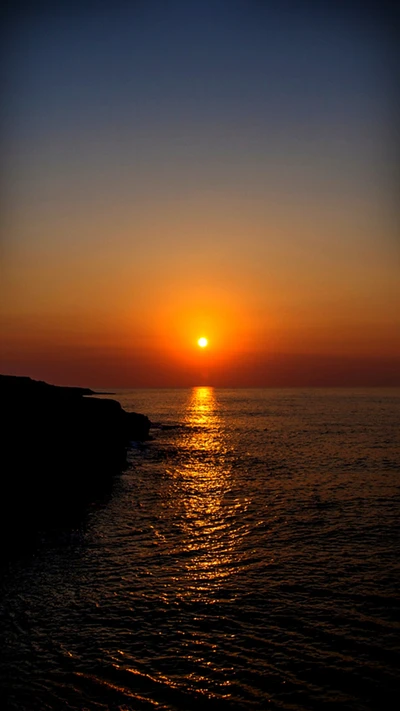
[(173, 170)]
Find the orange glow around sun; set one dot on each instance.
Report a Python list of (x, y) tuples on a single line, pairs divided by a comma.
[(202, 342)]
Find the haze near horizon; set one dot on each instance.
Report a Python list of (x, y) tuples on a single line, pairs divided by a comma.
[(187, 170)]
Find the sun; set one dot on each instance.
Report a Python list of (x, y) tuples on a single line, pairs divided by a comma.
[(202, 342)]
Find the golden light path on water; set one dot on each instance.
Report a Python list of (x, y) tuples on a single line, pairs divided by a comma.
[(207, 505)]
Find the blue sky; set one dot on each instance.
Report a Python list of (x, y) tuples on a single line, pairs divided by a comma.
[(241, 149)]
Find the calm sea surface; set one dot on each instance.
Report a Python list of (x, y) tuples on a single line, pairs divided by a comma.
[(248, 558)]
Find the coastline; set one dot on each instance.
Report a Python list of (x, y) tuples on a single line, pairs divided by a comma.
[(60, 449)]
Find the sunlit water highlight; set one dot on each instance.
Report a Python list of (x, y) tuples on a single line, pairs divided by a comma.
[(248, 558)]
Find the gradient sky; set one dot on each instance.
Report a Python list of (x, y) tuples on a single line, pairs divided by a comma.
[(180, 169)]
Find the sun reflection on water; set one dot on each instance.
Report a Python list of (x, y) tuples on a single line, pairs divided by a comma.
[(205, 499)]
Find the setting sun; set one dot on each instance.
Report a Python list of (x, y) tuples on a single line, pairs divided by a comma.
[(202, 342)]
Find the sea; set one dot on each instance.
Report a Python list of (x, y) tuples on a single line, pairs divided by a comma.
[(247, 558)]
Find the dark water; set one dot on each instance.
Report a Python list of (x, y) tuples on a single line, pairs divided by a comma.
[(247, 559)]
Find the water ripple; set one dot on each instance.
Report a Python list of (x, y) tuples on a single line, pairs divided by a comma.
[(247, 559)]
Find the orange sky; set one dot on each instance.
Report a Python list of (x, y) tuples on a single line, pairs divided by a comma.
[(214, 197)]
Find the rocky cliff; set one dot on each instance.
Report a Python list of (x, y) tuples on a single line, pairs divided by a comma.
[(58, 447)]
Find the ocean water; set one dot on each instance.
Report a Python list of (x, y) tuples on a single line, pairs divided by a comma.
[(247, 558)]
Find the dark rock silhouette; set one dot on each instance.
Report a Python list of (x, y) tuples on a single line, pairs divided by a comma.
[(58, 448)]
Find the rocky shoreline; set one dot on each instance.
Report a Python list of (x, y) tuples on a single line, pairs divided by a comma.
[(60, 447)]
